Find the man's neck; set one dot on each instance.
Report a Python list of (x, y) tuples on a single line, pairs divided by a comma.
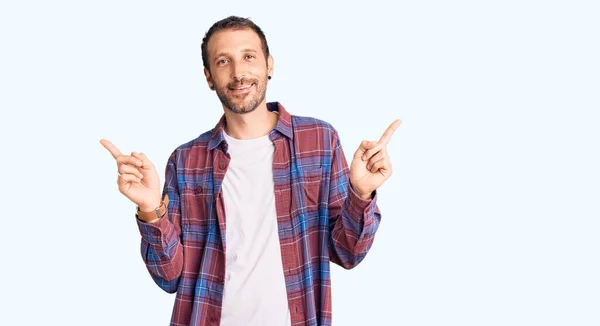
[(251, 125)]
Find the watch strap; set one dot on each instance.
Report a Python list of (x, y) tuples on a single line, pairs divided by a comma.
[(158, 212)]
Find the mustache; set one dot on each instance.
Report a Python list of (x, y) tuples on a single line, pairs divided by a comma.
[(242, 82)]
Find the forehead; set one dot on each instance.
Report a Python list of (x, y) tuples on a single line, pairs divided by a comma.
[(232, 41)]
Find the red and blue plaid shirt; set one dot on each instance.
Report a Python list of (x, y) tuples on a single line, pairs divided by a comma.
[(320, 219)]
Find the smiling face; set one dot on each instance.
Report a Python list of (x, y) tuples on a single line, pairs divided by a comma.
[(238, 69)]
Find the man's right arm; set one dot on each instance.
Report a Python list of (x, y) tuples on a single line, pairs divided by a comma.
[(161, 246)]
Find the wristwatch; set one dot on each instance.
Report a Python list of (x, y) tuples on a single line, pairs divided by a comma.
[(158, 211)]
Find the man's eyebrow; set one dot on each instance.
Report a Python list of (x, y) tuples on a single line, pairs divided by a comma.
[(224, 54)]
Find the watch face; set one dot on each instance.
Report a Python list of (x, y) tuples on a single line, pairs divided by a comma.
[(161, 210)]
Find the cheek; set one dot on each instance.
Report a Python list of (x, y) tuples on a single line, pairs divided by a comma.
[(220, 77), (221, 84), (258, 71)]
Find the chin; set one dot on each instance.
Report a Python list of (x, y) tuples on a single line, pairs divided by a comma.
[(241, 108)]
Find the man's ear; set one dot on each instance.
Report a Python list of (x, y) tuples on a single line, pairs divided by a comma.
[(209, 79), (270, 67)]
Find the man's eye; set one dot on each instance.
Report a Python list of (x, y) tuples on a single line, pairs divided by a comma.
[(222, 61), (250, 56)]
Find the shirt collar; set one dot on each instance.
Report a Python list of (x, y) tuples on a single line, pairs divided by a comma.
[(284, 125)]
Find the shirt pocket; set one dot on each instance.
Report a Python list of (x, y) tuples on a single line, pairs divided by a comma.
[(196, 204), (311, 179)]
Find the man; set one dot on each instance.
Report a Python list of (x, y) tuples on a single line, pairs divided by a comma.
[(254, 209)]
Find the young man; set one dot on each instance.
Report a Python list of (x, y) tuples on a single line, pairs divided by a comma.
[(254, 210)]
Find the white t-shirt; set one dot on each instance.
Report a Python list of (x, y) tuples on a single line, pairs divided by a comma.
[(255, 289)]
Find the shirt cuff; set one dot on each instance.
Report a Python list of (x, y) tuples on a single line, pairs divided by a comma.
[(153, 232), (361, 207)]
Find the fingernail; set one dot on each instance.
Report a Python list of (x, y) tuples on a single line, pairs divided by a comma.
[(364, 157)]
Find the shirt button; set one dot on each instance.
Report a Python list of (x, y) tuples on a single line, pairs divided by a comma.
[(222, 166), (156, 232), (163, 258)]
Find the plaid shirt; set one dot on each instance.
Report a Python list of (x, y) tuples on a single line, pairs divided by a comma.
[(320, 219)]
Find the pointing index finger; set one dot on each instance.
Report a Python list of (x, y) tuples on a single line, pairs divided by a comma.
[(387, 135), (111, 148)]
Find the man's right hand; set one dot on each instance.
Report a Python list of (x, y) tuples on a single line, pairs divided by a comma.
[(138, 179)]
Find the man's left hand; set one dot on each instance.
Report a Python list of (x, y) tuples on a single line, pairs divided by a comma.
[(371, 165)]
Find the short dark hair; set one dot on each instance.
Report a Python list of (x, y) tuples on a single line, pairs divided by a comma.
[(234, 23)]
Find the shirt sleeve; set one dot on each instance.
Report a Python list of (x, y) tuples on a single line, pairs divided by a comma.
[(161, 246), (353, 221)]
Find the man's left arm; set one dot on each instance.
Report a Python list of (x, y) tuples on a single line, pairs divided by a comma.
[(353, 213), (353, 221)]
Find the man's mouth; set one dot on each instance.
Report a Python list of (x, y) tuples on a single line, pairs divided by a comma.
[(240, 89)]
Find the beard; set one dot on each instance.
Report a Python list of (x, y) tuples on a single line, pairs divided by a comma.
[(244, 103)]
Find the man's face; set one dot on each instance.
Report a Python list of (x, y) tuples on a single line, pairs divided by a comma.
[(238, 69)]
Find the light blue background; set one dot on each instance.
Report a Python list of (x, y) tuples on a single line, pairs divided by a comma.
[(491, 216)]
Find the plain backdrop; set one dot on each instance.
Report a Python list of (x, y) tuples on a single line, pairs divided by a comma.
[(490, 218)]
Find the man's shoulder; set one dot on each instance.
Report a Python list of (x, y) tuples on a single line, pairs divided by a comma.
[(314, 135), (306, 123), (196, 145)]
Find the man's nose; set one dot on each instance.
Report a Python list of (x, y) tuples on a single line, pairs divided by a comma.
[(237, 73)]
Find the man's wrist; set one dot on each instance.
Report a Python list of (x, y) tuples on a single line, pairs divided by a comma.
[(362, 196), (148, 209), (150, 206)]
